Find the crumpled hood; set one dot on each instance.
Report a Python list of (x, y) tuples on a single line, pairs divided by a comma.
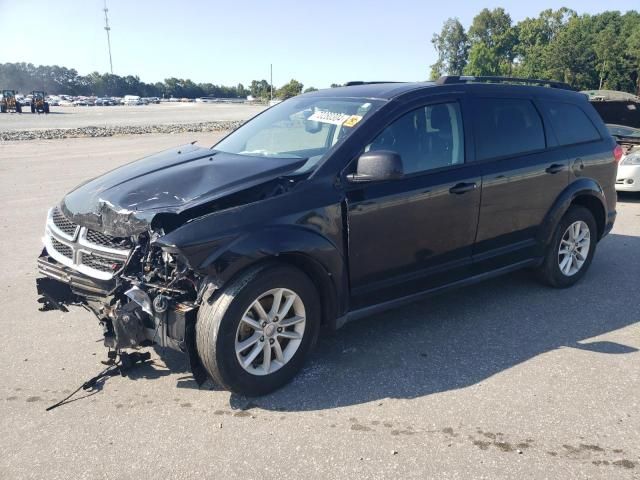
[(124, 201)]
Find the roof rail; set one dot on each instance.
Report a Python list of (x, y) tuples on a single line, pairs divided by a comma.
[(452, 79), (360, 82)]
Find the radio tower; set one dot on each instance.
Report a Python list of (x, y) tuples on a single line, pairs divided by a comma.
[(107, 28)]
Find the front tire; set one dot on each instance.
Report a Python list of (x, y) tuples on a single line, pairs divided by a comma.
[(255, 335), (571, 251)]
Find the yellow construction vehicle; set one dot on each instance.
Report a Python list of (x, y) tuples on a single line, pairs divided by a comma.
[(38, 102), (8, 102)]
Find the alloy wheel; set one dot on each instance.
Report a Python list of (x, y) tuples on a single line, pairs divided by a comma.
[(270, 331), (574, 248)]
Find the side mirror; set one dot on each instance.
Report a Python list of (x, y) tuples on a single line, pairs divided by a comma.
[(377, 165)]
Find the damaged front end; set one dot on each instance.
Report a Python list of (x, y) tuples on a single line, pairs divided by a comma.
[(104, 248), (140, 294)]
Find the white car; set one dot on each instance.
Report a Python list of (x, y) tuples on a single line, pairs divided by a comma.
[(132, 100), (628, 178)]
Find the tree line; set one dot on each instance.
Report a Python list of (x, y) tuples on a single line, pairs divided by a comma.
[(25, 77), (586, 51)]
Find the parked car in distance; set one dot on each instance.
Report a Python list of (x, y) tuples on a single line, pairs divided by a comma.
[(132, 100), (326, 208), (621, 112), (628, 177), (104, 102)]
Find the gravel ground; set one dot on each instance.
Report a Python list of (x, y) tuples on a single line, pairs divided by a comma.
[(505, 379), (110, 131)]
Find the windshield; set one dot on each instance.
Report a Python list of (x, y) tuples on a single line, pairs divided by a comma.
[(299, 128), (623, 131)]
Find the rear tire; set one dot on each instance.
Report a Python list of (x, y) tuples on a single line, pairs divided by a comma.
[(571, 251), (233, 320)]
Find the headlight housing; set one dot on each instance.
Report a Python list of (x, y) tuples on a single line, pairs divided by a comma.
[(631, 159)]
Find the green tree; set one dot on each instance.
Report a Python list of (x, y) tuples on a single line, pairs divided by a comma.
[(492, 39), (310, 89), (631, 32), (534, 37), (452, 47), (260, 89), (290, 89), (571, 56)]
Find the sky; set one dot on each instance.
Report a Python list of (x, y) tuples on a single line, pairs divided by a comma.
[(227, 42)]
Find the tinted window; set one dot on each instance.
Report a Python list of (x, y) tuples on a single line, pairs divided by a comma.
[(506, 126), (426, 138), (570, 123)]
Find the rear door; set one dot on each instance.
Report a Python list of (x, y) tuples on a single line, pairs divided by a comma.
[(416, 232), (521, 179)]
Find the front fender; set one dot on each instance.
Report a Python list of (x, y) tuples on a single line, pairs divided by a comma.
[(305, 248), (579, 188), (271, 242)]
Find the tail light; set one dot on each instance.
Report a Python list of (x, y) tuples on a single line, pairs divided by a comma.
[(617, 153)]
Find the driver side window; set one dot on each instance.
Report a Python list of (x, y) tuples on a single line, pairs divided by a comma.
[(426, 138)]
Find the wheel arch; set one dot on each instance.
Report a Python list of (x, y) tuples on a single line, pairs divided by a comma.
[(585, 192), (304, 249)]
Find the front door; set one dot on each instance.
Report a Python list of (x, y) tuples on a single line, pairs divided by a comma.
[(417, 232)]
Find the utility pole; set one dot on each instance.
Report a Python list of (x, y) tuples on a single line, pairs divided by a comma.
[(108, 28), (270, 76)]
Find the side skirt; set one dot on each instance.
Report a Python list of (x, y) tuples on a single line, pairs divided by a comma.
[(380, 307)]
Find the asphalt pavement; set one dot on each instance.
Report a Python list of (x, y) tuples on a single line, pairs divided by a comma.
[(131, 115), (504, 379)]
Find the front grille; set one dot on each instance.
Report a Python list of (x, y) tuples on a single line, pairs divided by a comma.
[(61, 248), (62, 223), (104, 240), (100, 263), (95, 254)]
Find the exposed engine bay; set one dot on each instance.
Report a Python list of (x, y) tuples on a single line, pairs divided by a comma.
[(140, 294)]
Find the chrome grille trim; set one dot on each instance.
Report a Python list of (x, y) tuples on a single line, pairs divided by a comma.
[(63, 227), (62, 248), (97, 238), (73, 250)]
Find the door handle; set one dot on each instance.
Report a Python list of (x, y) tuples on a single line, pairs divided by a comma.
[(461, 188), (555, 168)]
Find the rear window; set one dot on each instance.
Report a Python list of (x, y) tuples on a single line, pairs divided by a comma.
[(570, 123), (506, 127)]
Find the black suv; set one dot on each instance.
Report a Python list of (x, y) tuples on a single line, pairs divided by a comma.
[(329, 207)]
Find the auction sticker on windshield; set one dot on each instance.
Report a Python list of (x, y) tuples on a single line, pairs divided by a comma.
[(325, 116)]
